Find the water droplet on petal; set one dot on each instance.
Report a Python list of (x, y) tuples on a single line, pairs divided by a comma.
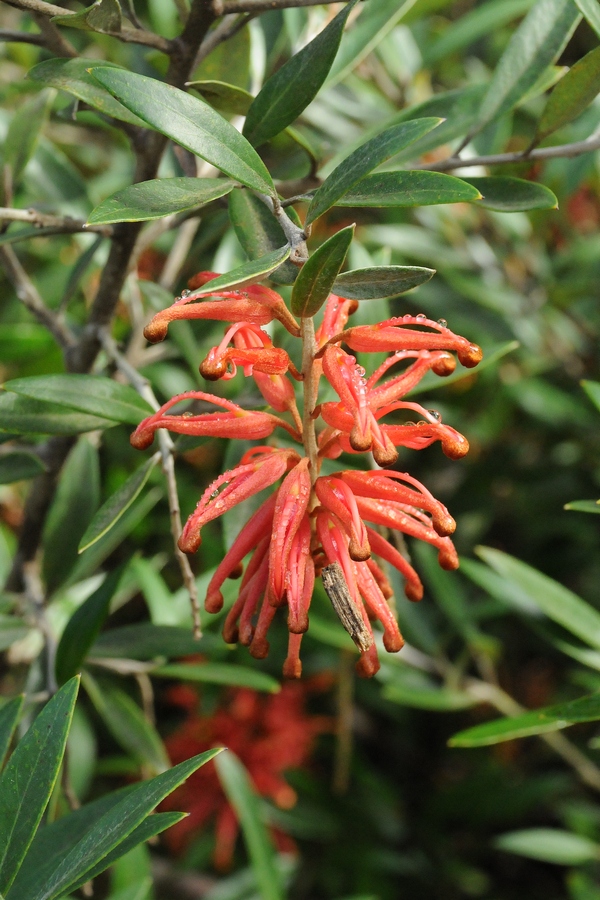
[(185, 294), (360, 371), (435, 414), (442, 322), (421, 317)]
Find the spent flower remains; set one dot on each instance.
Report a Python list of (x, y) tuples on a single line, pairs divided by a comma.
[(314, 522)]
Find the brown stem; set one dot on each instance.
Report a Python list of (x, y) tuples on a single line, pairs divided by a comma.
[(223, 7)]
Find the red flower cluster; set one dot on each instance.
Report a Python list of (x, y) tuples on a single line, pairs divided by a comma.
[(270, 734), (313, 520)]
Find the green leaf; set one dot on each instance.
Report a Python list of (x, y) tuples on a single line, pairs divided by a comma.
[(9, 717), (592, 389), (83, 628), (28, 780), (249, 273), (550, 845), (364, 159), (220, 673), (75, 502), (158, 198), (539, 721), (415, 689), (224, 97), (513, 194), (556, 601), (23, 133), (380, 281), (403, 189), (537, 42), (478, 23), (24, 415), (111, 511), (317, 276), (259, 232), (191, 123), (572, 95), (246, 803), (374, 23), (93, 394), (591, 12), (127, 724), (587, 506), (289, 91), (102, 16), (73, 76), (147, 641), (19, 466), (114, 827)]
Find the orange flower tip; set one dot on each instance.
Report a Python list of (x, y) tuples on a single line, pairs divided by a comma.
[(141, 439), (455, 448), (292, 668), (448, 559), (413, 591), (236, 572), (385, 456), (444, 366), (259, 648), (246, 634), (214, 602), (189, 543), (392, 641), (359, 441), (156, 331), (444, 524), (352, 306), (471, 357), (367, 666), (230, 633), (359, 552), (212, 371)]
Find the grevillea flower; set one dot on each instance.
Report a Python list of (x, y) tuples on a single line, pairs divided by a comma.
[(312, 520), (271, 734)]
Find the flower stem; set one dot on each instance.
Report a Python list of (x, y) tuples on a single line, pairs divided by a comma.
[(311, 384)]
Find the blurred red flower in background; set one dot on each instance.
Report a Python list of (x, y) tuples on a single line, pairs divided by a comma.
[(269, 733)]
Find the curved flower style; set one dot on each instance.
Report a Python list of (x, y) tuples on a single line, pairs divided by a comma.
[(315, 520)]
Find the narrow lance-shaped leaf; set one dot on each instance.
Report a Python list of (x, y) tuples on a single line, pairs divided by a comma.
[(591, 12), (147, 641), (240, 792), (572, 95), (537, 42), (224, 97), (592, 389), (115, 826), (513, 194), (19, 466), (23, 133), (478, 23), (380, 281), (191, 123), (587, 506), (551, 845), (317, 276), (111, 511), (9, 716), (157, 198), (249, 273), (539, 721), (259, 232), (403, 189), (91, 394), (556, 601), (102, 16), (83, 628), (73, 76), (28, 780), (364, 159), (24, 415), (219, 673), (289, 91)]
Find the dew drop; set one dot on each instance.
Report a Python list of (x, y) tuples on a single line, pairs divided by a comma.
[(442, 322), (360, 371), (185, 294), (435, 414), (421, 317)]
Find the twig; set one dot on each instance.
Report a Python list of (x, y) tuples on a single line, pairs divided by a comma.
[(178, 255), (66, 223), (55, 41), (30, 298), (22, 37), (296, 236), (561, 151), (34, 594), (222, 7), (128, 35), (168, 466)]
